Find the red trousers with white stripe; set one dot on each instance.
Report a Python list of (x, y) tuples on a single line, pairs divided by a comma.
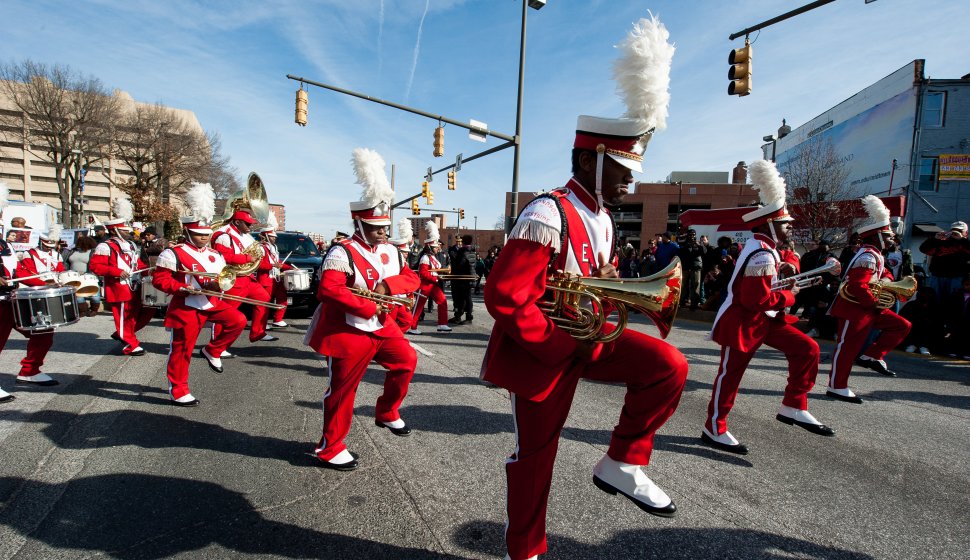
[(437, 295), (38, 344), (231, 322), (249, 288), (802, 354), (654, 373), (395, 355), (278, 295), (852, 334), (130, 317)]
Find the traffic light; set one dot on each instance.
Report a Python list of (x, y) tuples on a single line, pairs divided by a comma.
[(424, 189), (461, 213), (301, 106), (451, 181), (439, 141), (740, 71), (415, 209), (430, 198)]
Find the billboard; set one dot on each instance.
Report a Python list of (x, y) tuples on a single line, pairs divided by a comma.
[(954, 167)]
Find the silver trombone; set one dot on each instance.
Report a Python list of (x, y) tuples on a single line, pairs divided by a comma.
[(807, 279)]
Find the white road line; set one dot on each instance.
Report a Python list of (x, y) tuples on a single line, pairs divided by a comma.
[(421, 350)]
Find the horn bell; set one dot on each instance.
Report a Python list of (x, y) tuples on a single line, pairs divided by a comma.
[(656, 296)]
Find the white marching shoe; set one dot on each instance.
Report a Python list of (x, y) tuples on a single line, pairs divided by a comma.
[(724, 442), (845, 394), (278, 324), (413, 331), (40, 379), (444, 328), (5, 396), (615, 477), (226, 354), (803, 419)]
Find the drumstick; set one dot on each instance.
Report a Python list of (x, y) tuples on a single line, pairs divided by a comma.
[(287, 256)]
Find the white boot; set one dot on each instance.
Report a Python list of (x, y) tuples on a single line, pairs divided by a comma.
[(5, 396), (613, 476)]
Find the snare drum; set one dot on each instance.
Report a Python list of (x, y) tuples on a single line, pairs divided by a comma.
[(152, 296), (297, 280), (88, 287), (69, 278), (43, 309)]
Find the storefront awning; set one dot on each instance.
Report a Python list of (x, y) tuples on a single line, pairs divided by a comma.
[(926, 229)]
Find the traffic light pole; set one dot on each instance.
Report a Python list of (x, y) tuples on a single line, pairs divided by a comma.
[(782, 17)]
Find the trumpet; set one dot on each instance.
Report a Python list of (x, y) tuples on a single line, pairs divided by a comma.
[(886, 293), (383, 300), (231, 297), (656, 296), (225, 278), (806, 279)]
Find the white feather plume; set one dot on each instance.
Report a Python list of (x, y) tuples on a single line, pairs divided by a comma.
[(767, 181), (54, 233), (369, 169), (272, 222), (642, 72), (123, 209), (201, 200), (4, 195), (431, 229), (404, 230), (875, 209)]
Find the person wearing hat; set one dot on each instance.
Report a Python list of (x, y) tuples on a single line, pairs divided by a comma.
[(231, 240), (428, 264), (38, 260), (116, 260), (269, 274), (949, 253), (351, 330), (187, 313), (402, 314), (540, 363), (856, 319), (753, 315)]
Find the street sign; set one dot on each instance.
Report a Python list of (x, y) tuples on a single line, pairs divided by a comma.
[(480, 134), (458, 163), (429, 176)]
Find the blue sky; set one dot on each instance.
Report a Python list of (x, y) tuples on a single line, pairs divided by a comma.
[(227, 61)]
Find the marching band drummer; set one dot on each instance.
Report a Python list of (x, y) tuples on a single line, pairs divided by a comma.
[(269, 274), (856, 319), (430, 283), (752, 315), (353, 330), (188, 313), (44, 258), (231, 241), (402, 314), (116, 259), (540, 363)]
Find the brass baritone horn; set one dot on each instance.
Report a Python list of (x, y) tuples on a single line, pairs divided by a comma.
[(382, 299), (886, 293), (578, 303), (804, 280)]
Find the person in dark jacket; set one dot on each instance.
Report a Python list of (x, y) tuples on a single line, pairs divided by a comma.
[(949, 254), (666, 250), (463, 264), (691, 255), (957, 318)]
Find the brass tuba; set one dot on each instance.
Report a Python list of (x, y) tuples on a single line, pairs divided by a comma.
[(886, 293), (577, 303), (252, 197)]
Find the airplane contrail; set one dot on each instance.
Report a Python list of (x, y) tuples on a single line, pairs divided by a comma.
[(417, 50), (380, 43)]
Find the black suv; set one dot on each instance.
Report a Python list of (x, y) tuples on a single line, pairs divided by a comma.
[(303, 254)]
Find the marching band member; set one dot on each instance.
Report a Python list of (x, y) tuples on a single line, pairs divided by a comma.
[(752, 315), (857, 318), (538, 362), (231, 240), (430, 283), (269, 273), (352, 330), (37, 260), (188, 313), (115, 259), (402, 314)]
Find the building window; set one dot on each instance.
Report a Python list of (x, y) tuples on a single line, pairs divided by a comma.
[(927, 174), (934, 107)]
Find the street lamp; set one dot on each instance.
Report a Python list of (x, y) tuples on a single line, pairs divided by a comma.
[(77, 205), (771, 138)]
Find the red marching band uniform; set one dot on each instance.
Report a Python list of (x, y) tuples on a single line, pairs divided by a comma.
[(41, 259), (187, 313), (230, 242), (352, 330), (857, 318), (269, 274), (401, 313), (115, 259), (430, 283), (753, 314)]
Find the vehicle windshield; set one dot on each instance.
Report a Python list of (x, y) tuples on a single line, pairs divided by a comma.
[(299, 245)]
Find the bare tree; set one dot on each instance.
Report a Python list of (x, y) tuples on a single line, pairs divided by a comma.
[(817, 189), (64, 117), (223, 177), (499, 222)]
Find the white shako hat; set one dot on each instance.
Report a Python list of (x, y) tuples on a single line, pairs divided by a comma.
[(642, 75), (877, 217), (374, 205), (52, 235), (432, 236), (196, 224), (771, 191), (201, 200), (123, 214), (404, 234)]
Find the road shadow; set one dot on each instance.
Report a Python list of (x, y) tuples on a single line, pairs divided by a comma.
[(144, 516), (488, 537), (960, 402)]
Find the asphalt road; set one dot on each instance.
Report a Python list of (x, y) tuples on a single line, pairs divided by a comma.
[(103, 465)]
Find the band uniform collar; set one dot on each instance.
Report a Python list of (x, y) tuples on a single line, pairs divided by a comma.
[(588, 200)]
